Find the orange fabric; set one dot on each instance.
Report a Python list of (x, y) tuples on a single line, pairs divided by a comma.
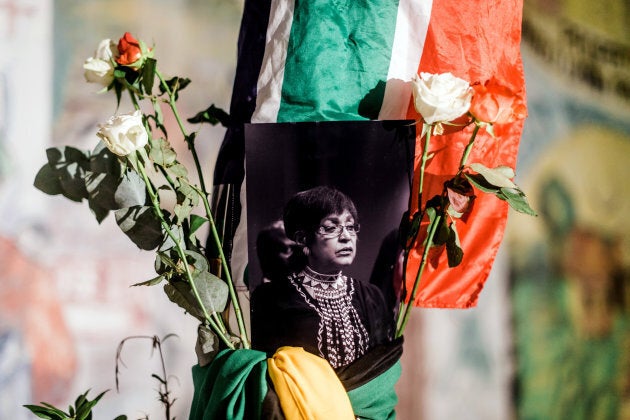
[(473, 40)]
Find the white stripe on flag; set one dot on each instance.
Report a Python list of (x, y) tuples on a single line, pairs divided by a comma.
[(412, 24), (269, 86)]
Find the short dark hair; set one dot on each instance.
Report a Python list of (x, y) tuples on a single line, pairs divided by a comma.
[(304, 211)]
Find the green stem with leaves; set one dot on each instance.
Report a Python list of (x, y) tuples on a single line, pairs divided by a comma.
[(215, 235), (189, 142), (204, 196), (405, 312), (215, 321)]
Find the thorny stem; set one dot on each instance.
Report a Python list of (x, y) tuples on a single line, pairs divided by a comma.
[(469, 146), (406, 310), (233, 296), (204, 196), (214, 320), (191, 146), (218, 326), (423, 163)]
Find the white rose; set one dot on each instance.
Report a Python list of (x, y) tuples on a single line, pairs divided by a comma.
[(100, 68), (124, 134), (107, 50), (98, 71), (441, 97)]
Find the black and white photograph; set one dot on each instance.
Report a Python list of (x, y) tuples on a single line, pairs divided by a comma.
[(323, 201)]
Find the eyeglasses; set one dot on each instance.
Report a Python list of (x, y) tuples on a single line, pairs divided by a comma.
[(335, 230)]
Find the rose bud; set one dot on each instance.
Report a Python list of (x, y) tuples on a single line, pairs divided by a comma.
[(460, 195)]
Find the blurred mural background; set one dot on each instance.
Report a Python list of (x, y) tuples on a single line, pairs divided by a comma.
[(549, 339)]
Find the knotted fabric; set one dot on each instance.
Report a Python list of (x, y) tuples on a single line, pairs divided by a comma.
[(231, 387), (307, 386)]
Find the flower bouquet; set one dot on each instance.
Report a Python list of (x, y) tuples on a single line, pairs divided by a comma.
[(446, 104), (134, 172)]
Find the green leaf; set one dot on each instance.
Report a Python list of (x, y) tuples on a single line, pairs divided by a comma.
[(162, 153), (85, 406), (480, 183), (118, 88), (179, 293), (100, 213), (182, 211), (212, 291), (150, 282), (441, 233), (187, 199), (197, 260), (148, 74), (103, 160), (178, 170), (499, 176), (68, 166), (175, 84), (46, 412), (46, 181), (207, 345), (141, 225), (101, 188), (454, 251), (211, 115), (517, 200), (131, 191), (196, 222), (72, 154), (164, 264), (72, 182)]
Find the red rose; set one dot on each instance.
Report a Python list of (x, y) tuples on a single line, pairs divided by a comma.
[(129, 49), (495, 103)]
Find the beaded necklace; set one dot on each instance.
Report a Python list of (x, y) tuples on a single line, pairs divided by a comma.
[(341, 336)]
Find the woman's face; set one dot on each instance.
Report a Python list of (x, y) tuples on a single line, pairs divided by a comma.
[(330, 252)]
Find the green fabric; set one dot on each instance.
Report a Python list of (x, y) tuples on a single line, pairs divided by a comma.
[(338, 58), (377, 398), (232, 387)]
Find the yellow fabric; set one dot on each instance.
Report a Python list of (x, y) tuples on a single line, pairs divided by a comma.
[(307, 386)]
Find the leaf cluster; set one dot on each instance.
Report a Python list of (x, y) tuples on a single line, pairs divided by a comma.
[(81, 410)]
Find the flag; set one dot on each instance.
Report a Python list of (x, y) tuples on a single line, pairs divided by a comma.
[(341, 60)]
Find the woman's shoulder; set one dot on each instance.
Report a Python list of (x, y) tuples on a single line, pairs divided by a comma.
[(366, 291), (275, 292)]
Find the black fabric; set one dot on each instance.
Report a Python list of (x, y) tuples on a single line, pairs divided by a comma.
[(229, 167), (372, 364), (271, 409), (281, 317)]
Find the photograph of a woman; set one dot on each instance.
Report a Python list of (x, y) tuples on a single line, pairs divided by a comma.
[(324, 204), (317, 306)]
